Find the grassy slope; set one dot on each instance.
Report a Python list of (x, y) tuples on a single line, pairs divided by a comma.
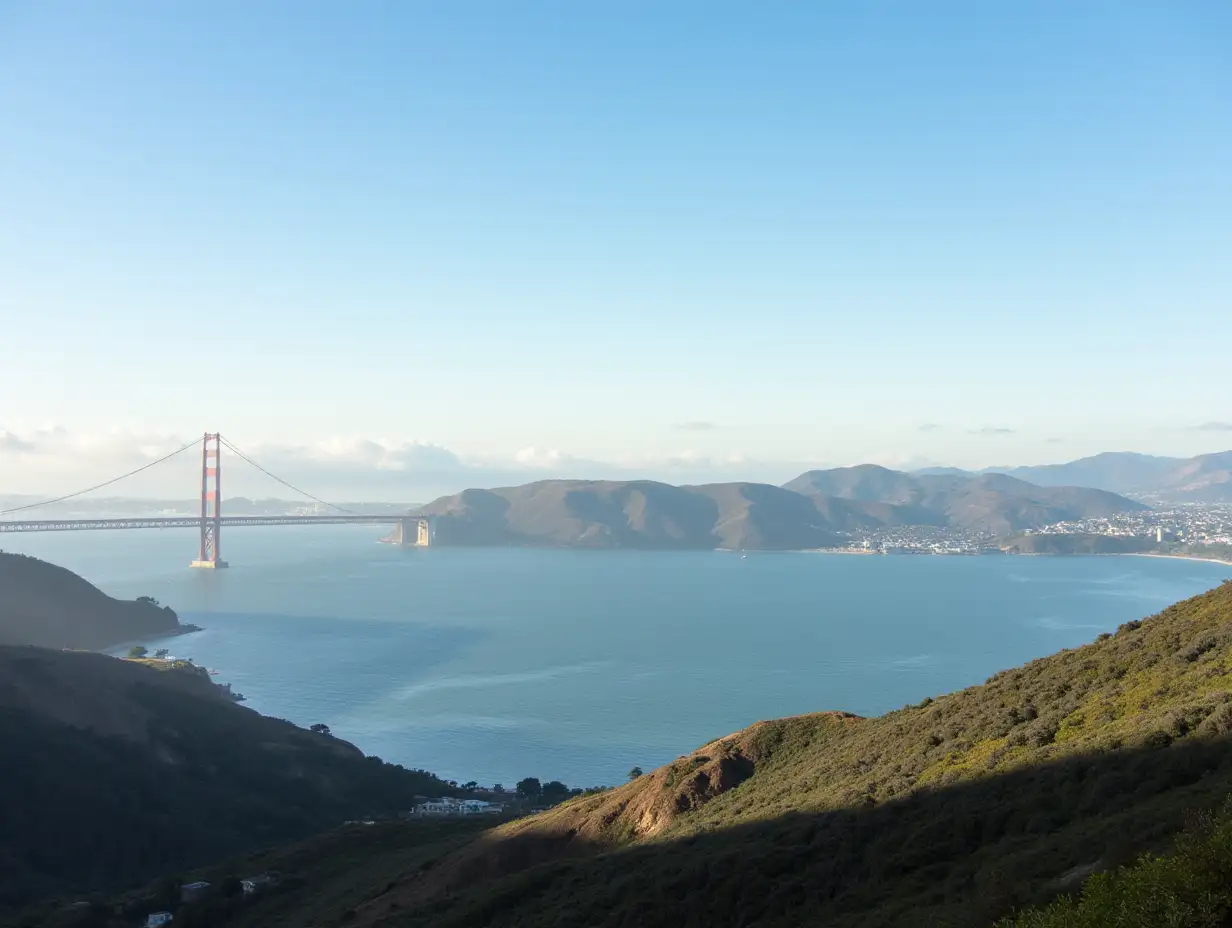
[(123, 771), (1189, 888)]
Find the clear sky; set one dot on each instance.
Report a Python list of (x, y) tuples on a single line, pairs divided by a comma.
[(683, 239)]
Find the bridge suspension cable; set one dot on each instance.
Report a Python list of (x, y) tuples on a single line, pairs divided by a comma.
[(236, 451), (99, 486)]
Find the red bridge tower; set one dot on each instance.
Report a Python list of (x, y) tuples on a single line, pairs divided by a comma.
[(210, 554)]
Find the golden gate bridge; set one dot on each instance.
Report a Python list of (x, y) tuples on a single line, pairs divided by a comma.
[(409, 530)]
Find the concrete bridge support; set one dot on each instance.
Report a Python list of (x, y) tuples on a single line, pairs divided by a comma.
[(412, 532)]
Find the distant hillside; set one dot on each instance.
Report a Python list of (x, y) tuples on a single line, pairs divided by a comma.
[(116, 772), (1206, 478), (48, 606), (808, 512), (954, 812), (634, 514), (987, 502)]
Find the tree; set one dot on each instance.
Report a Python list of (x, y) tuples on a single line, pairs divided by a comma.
[(320, 728), (498, 788), (635, 773), (529, 788), (161, 654), (554, 791), (148, 600), (470, 784), (137, 650)]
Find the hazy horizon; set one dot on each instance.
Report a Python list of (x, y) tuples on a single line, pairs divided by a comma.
[(413, 475), (397, 251)]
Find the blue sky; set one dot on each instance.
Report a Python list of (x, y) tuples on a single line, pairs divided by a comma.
[(687, 239)]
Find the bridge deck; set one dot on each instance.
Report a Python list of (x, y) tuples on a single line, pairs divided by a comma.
[(78, 525)]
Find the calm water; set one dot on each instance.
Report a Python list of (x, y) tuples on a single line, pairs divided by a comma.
[(497, 664)]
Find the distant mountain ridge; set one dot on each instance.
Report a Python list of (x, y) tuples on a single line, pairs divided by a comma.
[(811, 511), (1205, 478)]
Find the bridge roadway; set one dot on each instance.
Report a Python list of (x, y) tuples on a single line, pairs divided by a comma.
[(77, 525)]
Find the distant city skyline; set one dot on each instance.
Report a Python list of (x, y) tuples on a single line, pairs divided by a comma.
[(399, 250)]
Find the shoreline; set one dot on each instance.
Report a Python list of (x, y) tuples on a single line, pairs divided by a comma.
[(1171, 557), (1174, 557), (178, 631)]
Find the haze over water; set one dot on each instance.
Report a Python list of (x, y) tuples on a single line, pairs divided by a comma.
[(495, 664)]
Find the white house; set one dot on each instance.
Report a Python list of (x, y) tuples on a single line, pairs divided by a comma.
[(450, 806)]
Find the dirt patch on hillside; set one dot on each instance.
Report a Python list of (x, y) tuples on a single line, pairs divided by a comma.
[(639, 810)]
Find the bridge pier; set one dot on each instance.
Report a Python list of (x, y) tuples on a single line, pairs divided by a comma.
[(411, 532)]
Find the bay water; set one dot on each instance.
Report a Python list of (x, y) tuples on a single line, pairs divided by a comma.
[(496, 664)]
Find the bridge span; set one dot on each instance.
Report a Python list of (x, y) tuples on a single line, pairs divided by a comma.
[(408, 530)]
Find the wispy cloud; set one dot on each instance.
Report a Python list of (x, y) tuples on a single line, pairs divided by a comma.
[(930, 427), (696, 425), (1214, 427), (992, 430), (1055, 441)]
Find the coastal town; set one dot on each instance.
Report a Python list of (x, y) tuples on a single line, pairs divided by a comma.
[(1189, 527)]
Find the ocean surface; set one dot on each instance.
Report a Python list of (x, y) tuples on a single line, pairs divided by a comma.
[(496, 664)]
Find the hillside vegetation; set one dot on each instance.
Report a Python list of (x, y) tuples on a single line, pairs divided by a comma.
[(809, 512), (116, 772), (48, 606), (1188, 888)]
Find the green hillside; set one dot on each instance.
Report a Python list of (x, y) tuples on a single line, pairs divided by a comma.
[(1188, 888)]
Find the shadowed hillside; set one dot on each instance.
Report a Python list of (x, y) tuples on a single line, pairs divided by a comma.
[(808, 512), (116, 771), (48, 606)]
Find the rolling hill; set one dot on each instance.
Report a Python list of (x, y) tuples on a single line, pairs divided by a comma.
[(49, 606), (1206, 478), (993, 503), (808, 512)]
